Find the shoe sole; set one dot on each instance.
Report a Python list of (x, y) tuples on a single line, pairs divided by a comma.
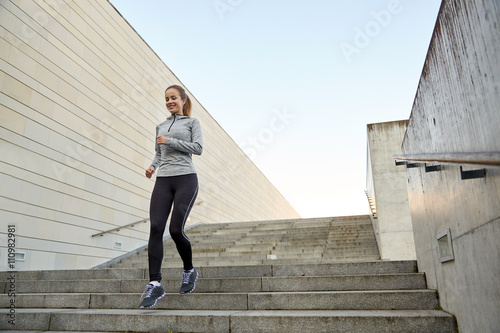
[(156, 301), (194, 285)]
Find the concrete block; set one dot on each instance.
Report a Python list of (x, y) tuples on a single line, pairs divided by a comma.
[(345, 282), (26, 319), (236, 271), (203, 285), (374, 267), (194, 301), (140, 320), (342, 321), (345, 300), (69, 301), (126, 273), (69, 286)]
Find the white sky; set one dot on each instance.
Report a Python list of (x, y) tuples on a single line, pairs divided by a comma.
[(329, 67)]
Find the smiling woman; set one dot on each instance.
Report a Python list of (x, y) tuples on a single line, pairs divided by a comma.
[(176, 185)]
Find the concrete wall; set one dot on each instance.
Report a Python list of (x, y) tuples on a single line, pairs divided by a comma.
[(81, 94), (386, 185), (456, 110)]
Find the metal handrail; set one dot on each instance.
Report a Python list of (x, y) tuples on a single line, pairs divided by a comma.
[(122, 227), (132, 224), (488, 158)]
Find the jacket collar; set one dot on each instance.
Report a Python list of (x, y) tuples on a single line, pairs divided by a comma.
[(177, 116)]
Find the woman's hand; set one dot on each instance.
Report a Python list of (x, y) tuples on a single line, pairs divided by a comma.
[(149, 172), (161, 140)]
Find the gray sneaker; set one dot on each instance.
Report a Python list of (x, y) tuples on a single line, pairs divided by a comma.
[(189, 281), (151, 295)]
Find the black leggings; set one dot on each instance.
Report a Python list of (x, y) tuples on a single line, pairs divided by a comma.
[(180, 191)]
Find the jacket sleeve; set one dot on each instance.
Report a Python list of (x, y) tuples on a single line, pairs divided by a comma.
[(193, 147), (157, 159)]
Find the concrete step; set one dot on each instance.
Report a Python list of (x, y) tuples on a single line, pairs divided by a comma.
[(228, 234), (216, 261), (252, 241), (290, 250), (231, 232), (302, 231), (310, 227), (283, 254), (239, 239), (233, 284), (258, 255), (30, 331), (221, 259), (233, 256), (255, 247), (328, 231), (289, 231), (327, 269), (347, 252), (320, 249), (207, 245), (267, 260), (211, 240), (232, 236), (320, 255), (350, 244), (283, 246), (231, 321), (312, 300), (209, 250)]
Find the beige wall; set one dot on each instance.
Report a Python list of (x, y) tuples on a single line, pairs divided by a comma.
[(386, 185), (81, 94), (456, 110)]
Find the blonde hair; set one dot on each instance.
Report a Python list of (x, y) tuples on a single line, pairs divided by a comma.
[(186, 109)]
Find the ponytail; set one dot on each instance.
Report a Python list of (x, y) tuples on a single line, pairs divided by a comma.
[(186, 109)]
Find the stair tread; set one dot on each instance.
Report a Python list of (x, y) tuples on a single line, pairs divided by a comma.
[(289, 321), (361, 267), (207, 294), (285, 313), (239, 277)]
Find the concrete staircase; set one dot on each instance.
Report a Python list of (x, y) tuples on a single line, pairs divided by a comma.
[(311, 275), (321, 240)]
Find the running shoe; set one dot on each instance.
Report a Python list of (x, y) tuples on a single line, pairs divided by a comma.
[(189, 281), (151, 295)]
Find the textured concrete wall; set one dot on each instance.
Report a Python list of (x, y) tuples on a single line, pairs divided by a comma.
[(456, 110), (81, 94), (386, 184)]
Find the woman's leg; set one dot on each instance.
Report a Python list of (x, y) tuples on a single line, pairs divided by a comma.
[(185, 192), (161, 203)]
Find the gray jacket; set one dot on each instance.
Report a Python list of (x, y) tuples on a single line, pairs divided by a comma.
[(184, 138)]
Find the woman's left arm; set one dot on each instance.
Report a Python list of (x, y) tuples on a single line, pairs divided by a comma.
[(193, 147)]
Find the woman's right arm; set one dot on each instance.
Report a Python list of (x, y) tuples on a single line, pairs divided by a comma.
[(156, 160)]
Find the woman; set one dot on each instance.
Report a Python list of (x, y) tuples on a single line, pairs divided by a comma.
[(177, 138)]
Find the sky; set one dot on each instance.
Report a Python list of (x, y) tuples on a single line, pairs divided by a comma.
[(295, 82)]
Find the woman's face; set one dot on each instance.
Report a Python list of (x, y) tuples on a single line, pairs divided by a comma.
[(173, 101)]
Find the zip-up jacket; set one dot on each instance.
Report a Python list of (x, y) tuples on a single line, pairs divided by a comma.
[(184, 138)]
